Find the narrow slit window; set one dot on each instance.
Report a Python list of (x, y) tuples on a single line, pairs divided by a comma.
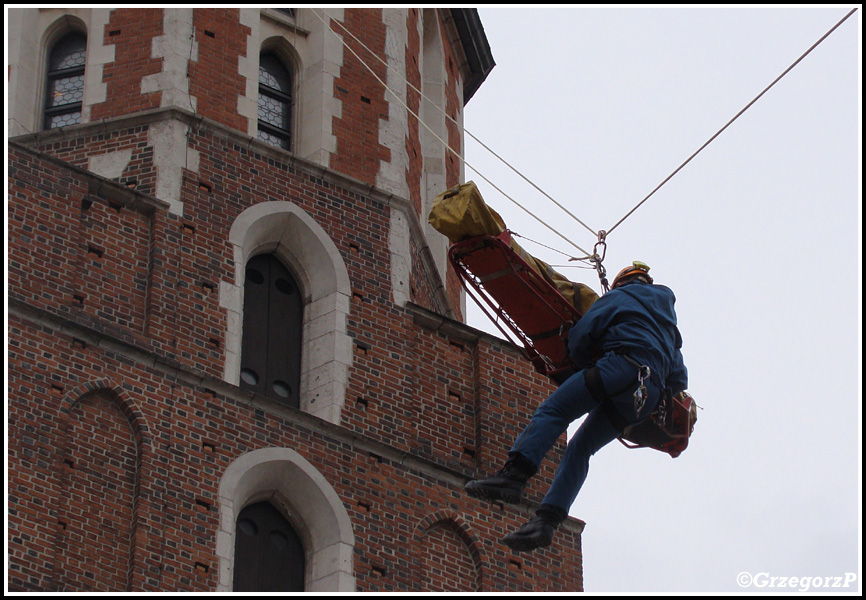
[(65, 81), (275, 102)]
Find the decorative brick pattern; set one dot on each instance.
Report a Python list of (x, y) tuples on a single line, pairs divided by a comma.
[(452, 558), (95, 507), (363, 98), (131, 31), (214, 78)]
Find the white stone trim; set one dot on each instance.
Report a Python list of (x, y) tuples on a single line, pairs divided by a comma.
[(306, 499), (111, 164), (177, 47), (98, 55), (433, 151), (392, 134), (393, 130), (399, 243), (248, 68), (171, 155), (321, 59)]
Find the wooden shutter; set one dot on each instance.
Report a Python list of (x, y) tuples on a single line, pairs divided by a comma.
[(269, 556), (273, 323)]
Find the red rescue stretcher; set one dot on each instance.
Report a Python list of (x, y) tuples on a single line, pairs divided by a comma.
[(529, 312), (533, 315)]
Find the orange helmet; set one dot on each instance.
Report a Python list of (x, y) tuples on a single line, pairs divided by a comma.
[(637, 269)]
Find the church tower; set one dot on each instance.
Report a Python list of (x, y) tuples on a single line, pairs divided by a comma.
[(237, 352)]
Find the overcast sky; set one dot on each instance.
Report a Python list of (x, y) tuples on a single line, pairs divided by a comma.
[(759, 237)]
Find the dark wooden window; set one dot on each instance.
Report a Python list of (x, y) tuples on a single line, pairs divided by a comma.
[(269, 556), (275, 102), (65, 81), (273, 322)]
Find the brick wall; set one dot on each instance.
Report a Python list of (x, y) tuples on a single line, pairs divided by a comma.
[(363, 101), (131, 32), (214, 78), (419, 385), (399, 515), (121, 426)]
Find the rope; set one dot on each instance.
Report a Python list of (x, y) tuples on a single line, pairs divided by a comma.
[(466, 131), (794, 64), (568, 256), (444, 143), (601, 234)]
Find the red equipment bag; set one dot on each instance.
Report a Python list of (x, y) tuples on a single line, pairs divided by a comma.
[(668, 427)]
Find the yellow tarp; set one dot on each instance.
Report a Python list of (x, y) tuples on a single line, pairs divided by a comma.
[(460, 213)]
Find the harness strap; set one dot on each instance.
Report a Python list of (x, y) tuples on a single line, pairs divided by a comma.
[(653, 376), (595, 385)]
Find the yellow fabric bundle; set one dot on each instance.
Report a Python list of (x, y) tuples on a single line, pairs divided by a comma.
[(460, 213)]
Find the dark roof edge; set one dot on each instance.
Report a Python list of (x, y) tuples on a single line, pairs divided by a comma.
[(475, 47)]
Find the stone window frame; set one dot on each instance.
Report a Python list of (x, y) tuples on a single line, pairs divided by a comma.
[(293, 236), (314, 59), (299, 491), (29, 51)]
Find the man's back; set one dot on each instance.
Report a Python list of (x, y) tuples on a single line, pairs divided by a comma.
[(637, 319)]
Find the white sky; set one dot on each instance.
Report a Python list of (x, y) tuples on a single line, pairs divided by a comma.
[(759, 237)]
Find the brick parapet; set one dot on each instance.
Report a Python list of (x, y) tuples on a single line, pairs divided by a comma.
[(202, 423)]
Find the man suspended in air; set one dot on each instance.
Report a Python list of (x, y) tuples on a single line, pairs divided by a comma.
[(627, 352)]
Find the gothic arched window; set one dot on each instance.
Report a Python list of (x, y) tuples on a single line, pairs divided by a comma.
[(275, 102), (65, 81), (273, 322), (269, 556)]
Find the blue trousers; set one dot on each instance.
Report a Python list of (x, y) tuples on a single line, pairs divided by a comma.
[(569, 402)]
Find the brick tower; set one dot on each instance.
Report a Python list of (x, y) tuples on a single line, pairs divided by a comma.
[(236, 352)]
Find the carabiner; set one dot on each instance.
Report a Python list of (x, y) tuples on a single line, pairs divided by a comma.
[(602, 272), (640, 394)]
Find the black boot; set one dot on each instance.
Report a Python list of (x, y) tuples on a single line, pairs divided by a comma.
[(538, 532), (507, 484)]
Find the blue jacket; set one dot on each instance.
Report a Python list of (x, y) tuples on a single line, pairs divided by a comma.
[(636, 319)]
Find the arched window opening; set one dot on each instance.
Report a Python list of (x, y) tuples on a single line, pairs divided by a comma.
[(275, 102), (273, 323), (65, 81), (269, 556)]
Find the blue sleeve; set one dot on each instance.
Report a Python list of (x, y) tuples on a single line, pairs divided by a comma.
[(678, 380)]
